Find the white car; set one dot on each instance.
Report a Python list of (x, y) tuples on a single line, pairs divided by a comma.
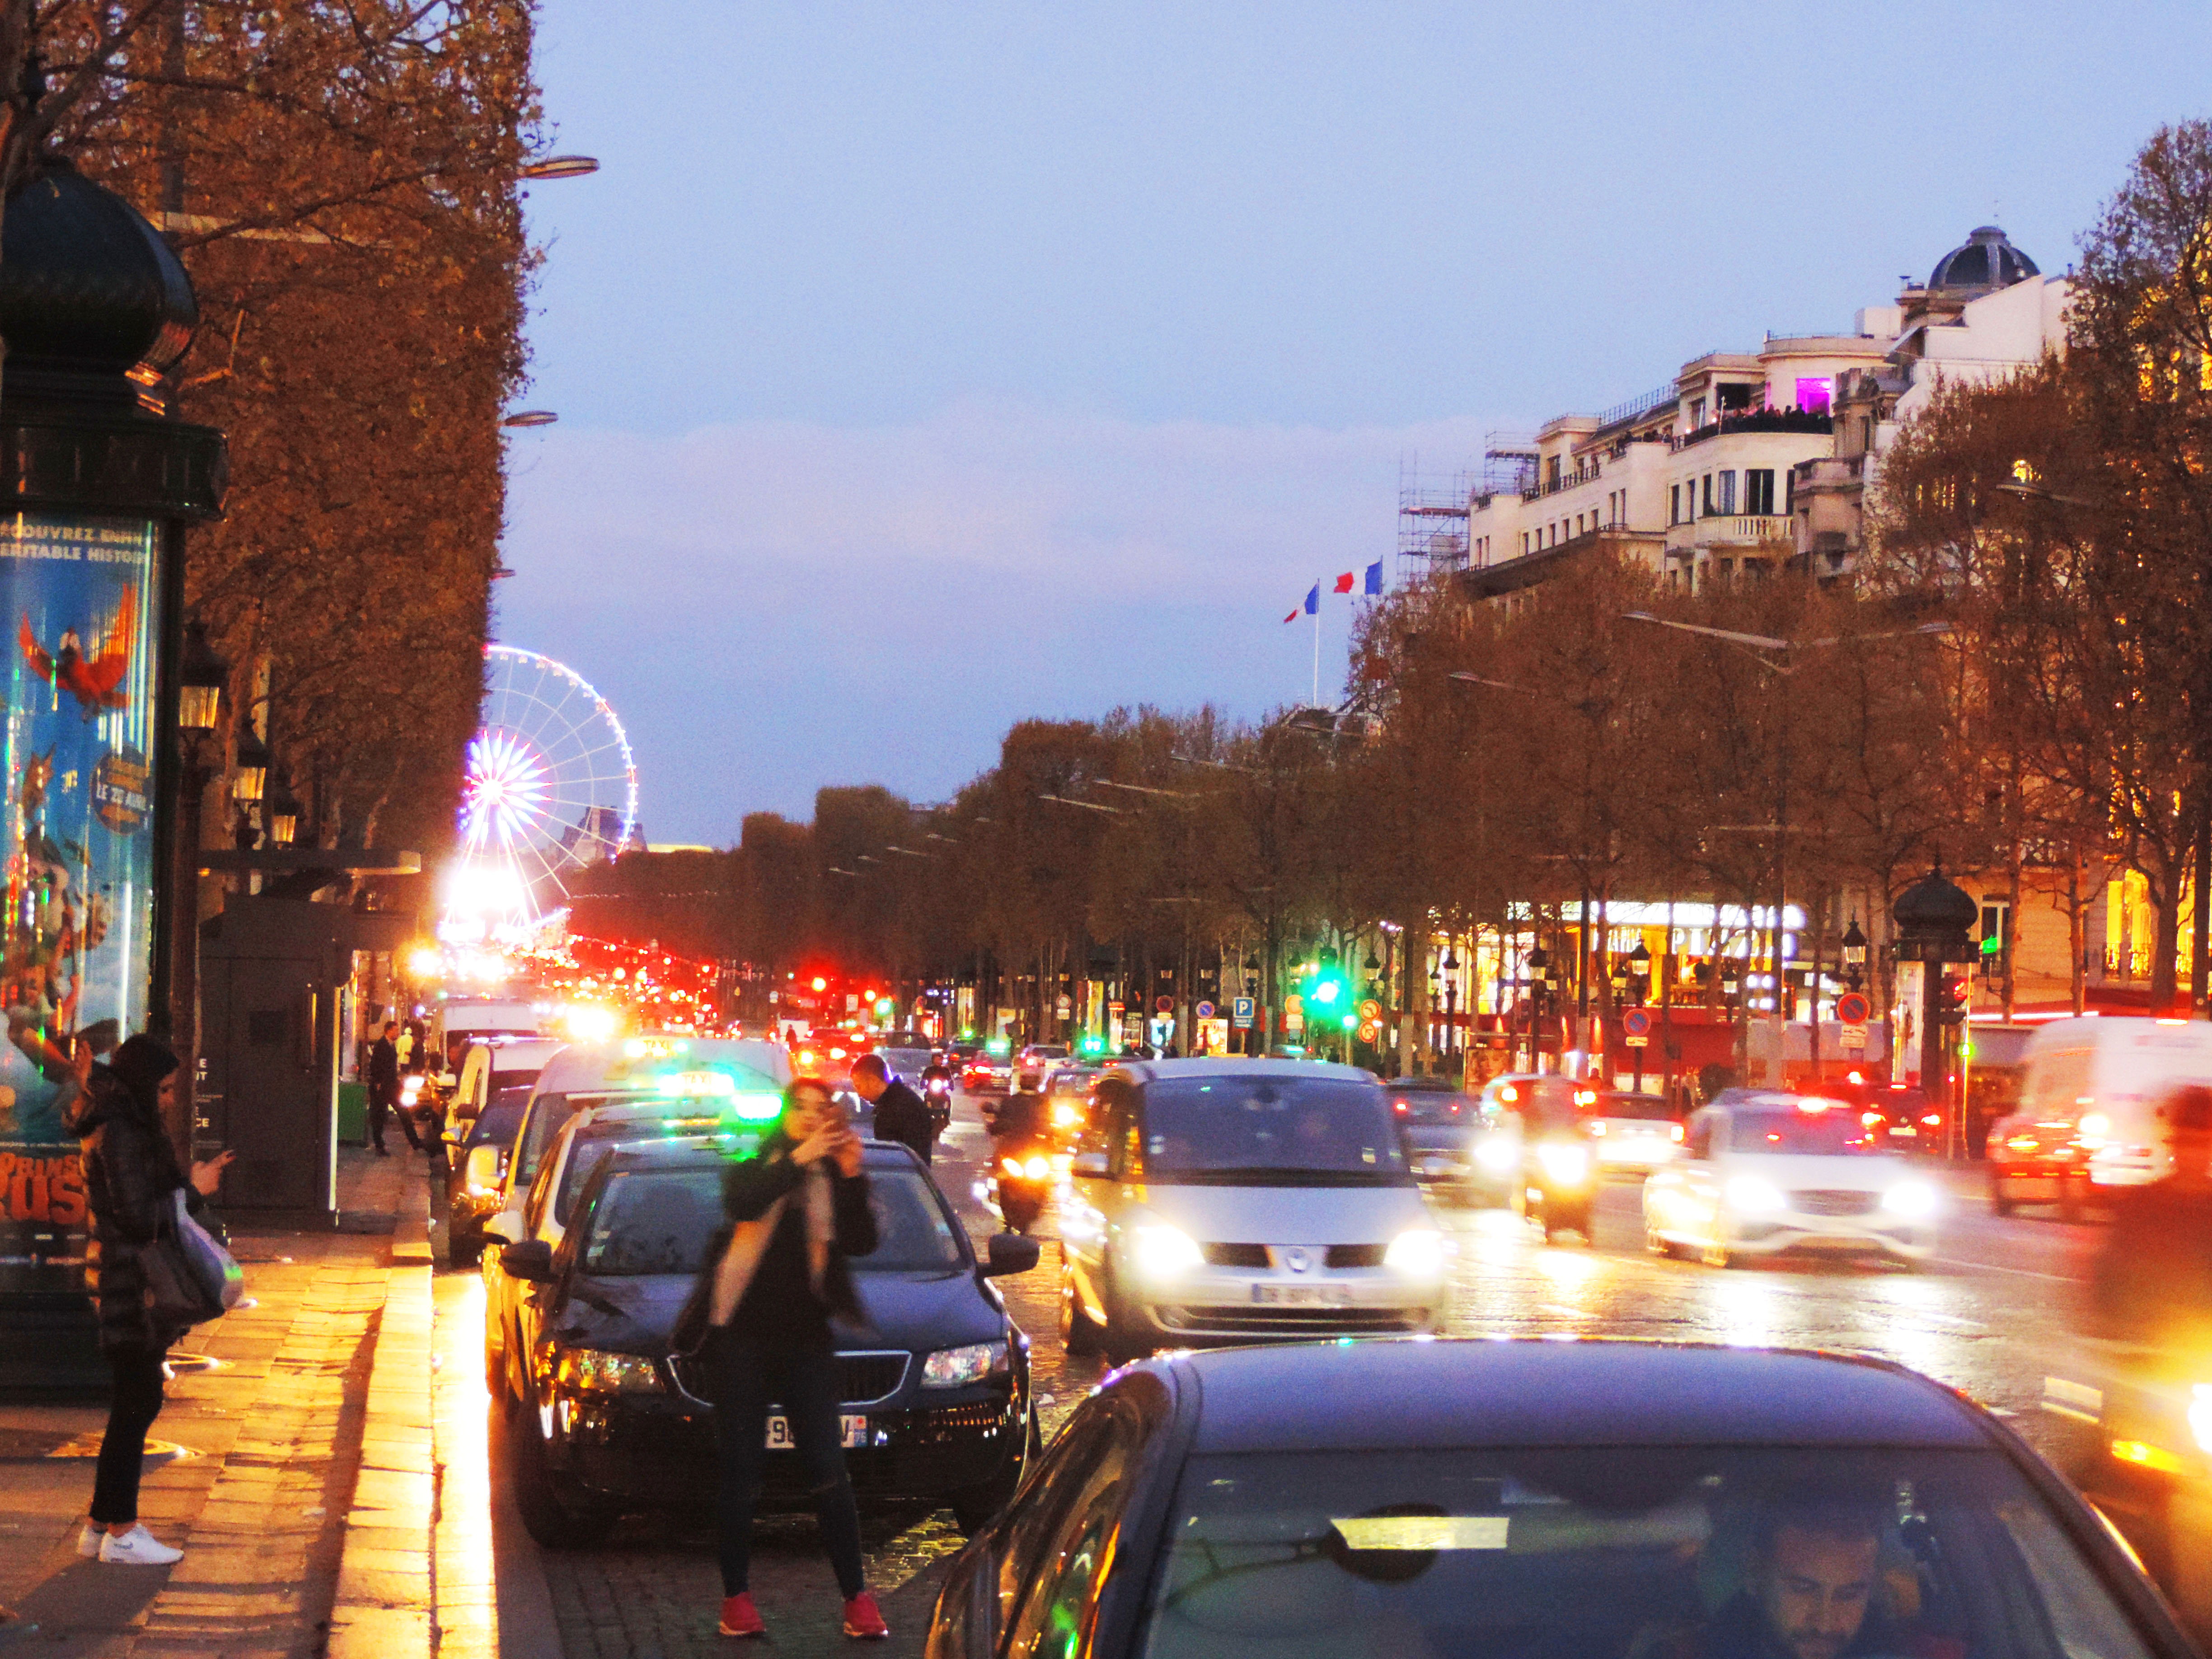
[(1633, 1133), (1769, 1172)]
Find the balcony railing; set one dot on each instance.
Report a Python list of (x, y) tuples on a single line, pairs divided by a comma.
[(1730, 530), (1759, 420)]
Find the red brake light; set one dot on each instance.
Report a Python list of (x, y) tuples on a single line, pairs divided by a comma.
[(1401, 1105), (1933, 1117)]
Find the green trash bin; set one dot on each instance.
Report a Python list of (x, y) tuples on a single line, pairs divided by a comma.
[(353, 1114)]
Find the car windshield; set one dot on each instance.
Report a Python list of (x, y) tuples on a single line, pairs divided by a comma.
[(1649, 1108), (1266, 1125), (1836, 1131), (1047, 1051), (497, 1123), (1711, 1552), (546, 1117), (663, 1221)]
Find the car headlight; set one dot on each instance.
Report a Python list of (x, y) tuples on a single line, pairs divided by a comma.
[(1565, 1164), (1065, 1115), (1163, 1251), (2200, 1415), (955, 1368), (1752, 1197), (1495, 1155), (1039, 1167), (1417, 1250), (609, 1373), (1916, 1201), (1011, 1166)]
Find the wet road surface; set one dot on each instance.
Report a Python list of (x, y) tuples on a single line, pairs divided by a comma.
[(1982, 1316)]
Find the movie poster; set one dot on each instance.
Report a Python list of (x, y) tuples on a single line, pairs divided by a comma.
[(77, 598)]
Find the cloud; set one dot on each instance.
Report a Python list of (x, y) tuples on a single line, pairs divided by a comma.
[(777, 606)]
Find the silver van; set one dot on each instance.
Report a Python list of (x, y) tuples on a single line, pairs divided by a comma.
[(1225, 1199)]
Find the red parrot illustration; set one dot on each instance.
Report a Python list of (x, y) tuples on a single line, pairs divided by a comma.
[(94, 681)]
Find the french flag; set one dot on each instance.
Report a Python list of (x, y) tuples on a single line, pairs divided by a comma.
[(1312, 606)]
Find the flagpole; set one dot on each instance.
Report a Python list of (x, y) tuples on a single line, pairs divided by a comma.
[(1316, 682)]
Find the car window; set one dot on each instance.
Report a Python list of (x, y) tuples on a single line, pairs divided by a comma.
[(653, 1221), (914, 1234), (497, 1122), (1269, 1125), (1701, 1134), (1622, 1551), (1056, 1554), (1430, 1106), (1648, 1108), (501, 1081), (1831, 1133), (547, 1114), (533, 1208), (584, 1160)]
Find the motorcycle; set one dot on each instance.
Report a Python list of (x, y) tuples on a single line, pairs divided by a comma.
[(1020, 1182), (937, 1095)]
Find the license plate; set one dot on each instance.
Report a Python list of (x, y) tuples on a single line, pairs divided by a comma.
[(1298, 1296), (779, 1432)]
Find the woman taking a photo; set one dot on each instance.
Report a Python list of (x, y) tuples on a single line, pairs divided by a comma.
[(759, 1318), (131, 1179)]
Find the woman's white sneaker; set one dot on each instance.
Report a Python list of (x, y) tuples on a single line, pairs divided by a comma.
[(87, 1541), (137, 1548)]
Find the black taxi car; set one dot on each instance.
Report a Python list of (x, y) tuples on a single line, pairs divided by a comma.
[(936, 1397), (1545, 1499)]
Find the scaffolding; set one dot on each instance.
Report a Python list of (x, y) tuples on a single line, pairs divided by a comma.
[(1431, 520), (1508, 463)]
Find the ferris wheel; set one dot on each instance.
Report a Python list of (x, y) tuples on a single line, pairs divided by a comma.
[(551, 790)]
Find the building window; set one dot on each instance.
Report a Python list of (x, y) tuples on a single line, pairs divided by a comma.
[(1789, 486), (1696, 413), (1814, 393), (1728, 493), (1524, 544), (1552, 472), (1708, 481), (1673, 503), (1759, 489)]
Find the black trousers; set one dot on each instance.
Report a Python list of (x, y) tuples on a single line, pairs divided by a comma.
[(745, 1377), (382, 1101), (131, 1409)]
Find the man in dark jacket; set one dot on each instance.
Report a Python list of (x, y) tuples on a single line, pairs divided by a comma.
[(901, 1115), (384, 1090)]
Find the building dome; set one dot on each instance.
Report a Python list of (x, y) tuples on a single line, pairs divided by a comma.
[(1986, 263), (86, 285)]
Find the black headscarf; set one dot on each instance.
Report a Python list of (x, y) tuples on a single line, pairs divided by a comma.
[(139, 1064)]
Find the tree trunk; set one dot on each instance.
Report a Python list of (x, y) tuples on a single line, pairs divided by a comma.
[(2165, 895), (2201, 919)]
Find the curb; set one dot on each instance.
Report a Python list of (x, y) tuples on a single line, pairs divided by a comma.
[(385, 1600)]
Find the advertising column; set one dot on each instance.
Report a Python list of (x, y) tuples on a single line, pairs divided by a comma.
[(77, 596)]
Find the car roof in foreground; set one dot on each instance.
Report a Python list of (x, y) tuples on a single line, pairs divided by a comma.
[(1426, 1392), (1162, 1071), (688, 1151)]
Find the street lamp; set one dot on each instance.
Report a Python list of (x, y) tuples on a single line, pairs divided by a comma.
[(1855, 953), (1639, 969), (283, 813), (1451, 1002), (200, 676), (250, 776)]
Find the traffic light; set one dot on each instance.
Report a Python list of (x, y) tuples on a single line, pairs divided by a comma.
[(1327, 991), (1951, 1006)]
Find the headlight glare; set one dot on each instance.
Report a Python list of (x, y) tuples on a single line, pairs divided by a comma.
[(2200, 1415), (1564, 1164), (954, 1368), (599, 1372), (1163, 1251), (1495, 1155), (1417, 1250), (1038, 1169), (1916, 1201), (1750, 1195)]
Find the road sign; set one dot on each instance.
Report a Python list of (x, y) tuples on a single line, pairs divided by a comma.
[(1116, 1009), (1065, 1007), (1636, 1027), (1294, 1003), (1206, 1011), (1854, 1036), (1163, 1005), (1852, 1009), (1369, 1031), (1371, 1011), (1241, 1012)]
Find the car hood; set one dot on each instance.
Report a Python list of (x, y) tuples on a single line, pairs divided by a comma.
[(1806, 1171), (1288, 1215), (916, 1311)]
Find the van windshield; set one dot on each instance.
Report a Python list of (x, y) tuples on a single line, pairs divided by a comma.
[(1269, 1129)]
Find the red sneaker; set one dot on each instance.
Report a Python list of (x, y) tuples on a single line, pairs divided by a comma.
[(864, 1621), (740, 1617)]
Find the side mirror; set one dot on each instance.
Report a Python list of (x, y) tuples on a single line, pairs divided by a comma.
[(1090, 1164), (481, 1171), (533, 1260), (504, 1226), (1011, 1253)]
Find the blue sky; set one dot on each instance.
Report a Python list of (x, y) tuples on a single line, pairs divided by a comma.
[(922, 367)]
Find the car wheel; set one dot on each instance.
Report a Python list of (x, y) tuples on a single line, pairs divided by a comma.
[(1118, 1344), (1716, 1254), (1999, 1201), (1655, 1243), (556, 1522), (1078, 1332)]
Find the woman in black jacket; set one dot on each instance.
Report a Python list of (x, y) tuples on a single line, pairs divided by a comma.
[(131, 1179), (794, 1212)]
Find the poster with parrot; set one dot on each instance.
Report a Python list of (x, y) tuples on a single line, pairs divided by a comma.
[(76, 854)]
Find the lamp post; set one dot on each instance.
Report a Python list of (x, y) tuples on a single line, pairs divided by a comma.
[(1854, 954), (1539, 989), (1451, 1006)]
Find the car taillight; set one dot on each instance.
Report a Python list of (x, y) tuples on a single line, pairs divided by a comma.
[(1400, 1106), (1674, 1131), (1597, 1128), (1933, 1117)]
